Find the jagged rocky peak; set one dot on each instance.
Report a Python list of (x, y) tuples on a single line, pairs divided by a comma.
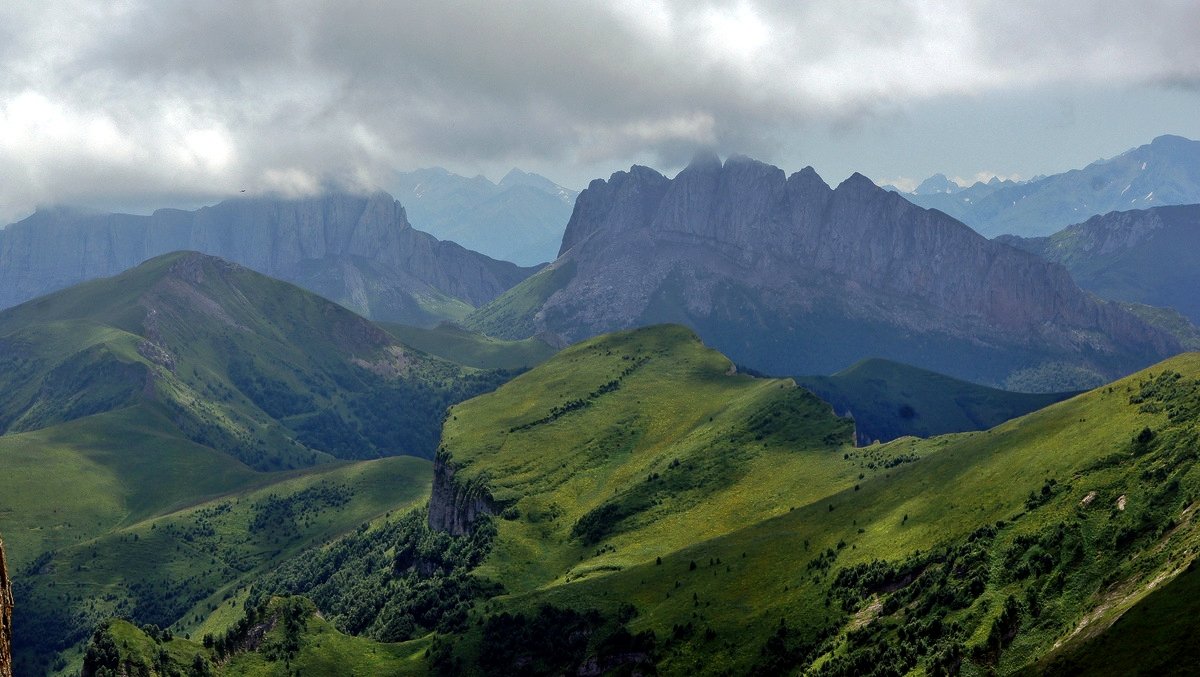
[(790, 276), (938, 183), (625, 199)]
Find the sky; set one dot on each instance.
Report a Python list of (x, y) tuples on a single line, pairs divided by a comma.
[(136, 104)]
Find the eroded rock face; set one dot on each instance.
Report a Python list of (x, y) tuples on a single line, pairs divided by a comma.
[(6, 610), (357, 249), (790, 276), (455, 506)]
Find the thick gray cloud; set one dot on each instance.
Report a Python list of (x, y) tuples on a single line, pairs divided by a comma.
[(170, 100)]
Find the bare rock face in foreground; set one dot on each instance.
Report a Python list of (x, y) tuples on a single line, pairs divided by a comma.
[(6, 608)]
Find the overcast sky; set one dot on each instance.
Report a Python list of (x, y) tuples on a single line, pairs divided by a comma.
[(138, 104)]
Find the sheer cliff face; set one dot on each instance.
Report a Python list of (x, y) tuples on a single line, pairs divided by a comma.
[(358, 250), (6, 608), (789, 275)]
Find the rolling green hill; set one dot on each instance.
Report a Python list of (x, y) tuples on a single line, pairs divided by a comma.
[(182, 568), (978, 550), (151, 419), (272, 375), (634, 504), (888, 400)]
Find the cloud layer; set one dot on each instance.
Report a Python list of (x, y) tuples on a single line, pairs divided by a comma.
[(169, 99)]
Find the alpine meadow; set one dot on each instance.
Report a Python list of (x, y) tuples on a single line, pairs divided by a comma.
[(599, 339)]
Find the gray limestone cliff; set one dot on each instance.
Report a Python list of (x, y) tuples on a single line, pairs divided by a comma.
[(790, 276), (456, 505), (358, 250)]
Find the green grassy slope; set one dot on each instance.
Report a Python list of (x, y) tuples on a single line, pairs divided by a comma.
[(1159, 636), (125, 403), (258, 368), (289, 638), (634, 444), (889, 400), (510, 315), (178, 568), (656, 510), (738, 561), (462, 346)]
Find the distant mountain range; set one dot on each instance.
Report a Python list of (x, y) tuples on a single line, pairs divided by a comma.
[(521, 219), (358, 250), (1149, 256), (1164, 172), (789, 276)]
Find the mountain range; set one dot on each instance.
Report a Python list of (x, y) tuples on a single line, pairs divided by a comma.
[(789, 276), (358, 250), (519, 219), (1147, 256), (1164, 172)]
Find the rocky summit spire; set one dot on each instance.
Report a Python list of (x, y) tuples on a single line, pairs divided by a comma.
[(6, 606)]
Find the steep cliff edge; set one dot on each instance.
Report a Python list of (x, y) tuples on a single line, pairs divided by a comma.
[(456, 506), (6, 609)]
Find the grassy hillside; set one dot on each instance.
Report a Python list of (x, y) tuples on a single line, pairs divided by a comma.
[(510, 315), (147, 420), (178, 569), (888, 400), (633, 444), (254, 367), (462, 346), (977, 551), (655, 510)]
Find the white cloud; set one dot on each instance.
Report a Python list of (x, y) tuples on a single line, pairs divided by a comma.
[(147, 98)]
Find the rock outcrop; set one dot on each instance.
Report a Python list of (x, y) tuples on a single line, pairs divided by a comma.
[(790, 276), (358, 250), (6, 611), (455, 506)]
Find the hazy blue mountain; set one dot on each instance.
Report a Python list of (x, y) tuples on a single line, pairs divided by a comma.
[(789, 276), (1149, 256), (358, 250), (937, 184), (1164, 172), (520, 219)]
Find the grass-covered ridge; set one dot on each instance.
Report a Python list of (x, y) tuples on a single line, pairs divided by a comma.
[(655, 510), (633, 444), (963, 554), (251, 366)]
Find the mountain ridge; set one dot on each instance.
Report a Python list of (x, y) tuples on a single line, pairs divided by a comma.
[(762, 265), (1165, 171), (358, 250), (1149, 256)]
